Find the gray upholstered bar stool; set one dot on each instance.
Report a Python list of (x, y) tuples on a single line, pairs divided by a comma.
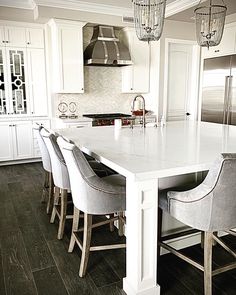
[(210, 207), (60, 178), (93, 196), (48, 187)]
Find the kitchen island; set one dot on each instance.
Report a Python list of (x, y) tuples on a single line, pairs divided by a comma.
[(146, 157)]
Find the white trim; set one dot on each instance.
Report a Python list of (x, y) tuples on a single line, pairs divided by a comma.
[(23, 4), (179, 5), (87, 7), (21, 24)]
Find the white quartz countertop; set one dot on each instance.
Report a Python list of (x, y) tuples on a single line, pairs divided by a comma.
[(177, 148)]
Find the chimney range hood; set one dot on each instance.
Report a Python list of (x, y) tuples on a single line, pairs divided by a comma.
[(105, 49)]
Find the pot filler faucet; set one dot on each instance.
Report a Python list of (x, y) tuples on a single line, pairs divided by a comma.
[(143, 121)]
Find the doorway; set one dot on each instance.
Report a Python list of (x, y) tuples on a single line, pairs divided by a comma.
[(182, 59)]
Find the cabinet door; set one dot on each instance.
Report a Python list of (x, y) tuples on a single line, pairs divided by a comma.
[(72, 60), (2, 36), (4, 101), (67, 56), (37, 82), (23, 140), (15, 36), (35, 38), (226, 46), (6, 148), (18, 91), (135, 78)]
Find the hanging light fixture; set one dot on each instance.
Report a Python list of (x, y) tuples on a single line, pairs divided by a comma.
[(210, 21), (149, 18)]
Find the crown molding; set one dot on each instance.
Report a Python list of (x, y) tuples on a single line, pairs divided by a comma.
[(22, 4), (86, 6), (171, 9), (179, 5)]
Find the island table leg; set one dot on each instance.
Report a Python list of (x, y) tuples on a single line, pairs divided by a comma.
[(141, 237)]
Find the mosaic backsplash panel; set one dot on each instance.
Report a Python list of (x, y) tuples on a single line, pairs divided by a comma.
[(102, 90), (102, 93)]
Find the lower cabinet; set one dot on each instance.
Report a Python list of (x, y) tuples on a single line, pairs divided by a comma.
[(6, 147), (18, 141)]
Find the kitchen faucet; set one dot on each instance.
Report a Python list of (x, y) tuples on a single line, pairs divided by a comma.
[(143, 122)]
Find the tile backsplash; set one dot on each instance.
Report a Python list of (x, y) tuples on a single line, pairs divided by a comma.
[(102, 93)]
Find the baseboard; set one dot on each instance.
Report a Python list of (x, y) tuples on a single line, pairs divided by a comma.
[(23, 161)]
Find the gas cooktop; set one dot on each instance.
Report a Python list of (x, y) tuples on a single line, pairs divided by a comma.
[(107, 116)]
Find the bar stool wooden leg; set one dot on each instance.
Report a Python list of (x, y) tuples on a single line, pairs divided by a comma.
[(159, 232), (62, 214), (50, 194), (86, 244), (45, 187), (75, 227), (55, 202), (202, 239), (120, 225), (112, 227), (208, 263)]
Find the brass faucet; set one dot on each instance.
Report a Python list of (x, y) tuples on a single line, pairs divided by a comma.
[(143, 121)]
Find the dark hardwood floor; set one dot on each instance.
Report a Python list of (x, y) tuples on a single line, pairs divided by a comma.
[(33, 261)]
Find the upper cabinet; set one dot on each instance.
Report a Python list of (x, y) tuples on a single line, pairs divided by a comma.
[(23, 84), (13, 36), (227, 44), (67, 56), (136, 78)]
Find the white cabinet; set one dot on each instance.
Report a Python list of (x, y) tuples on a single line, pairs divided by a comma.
[(35, 38), (37, 82), (136, 78), (227, 44), (23, 81), (67, 56), (17, 143), (6, 147), (22, 139), (15, 36)]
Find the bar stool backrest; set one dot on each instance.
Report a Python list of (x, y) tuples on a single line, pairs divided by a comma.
[(43, 148), (90, 193), (59, 169)]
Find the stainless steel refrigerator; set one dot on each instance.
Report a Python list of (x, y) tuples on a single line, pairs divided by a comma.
[(219, 90)]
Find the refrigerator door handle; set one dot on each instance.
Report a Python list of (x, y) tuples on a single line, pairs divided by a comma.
[(229, 100), (226, 100)]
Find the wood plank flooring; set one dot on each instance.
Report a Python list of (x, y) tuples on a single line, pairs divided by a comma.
[(33, 261)]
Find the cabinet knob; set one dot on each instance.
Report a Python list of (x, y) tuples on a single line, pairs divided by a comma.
[(82, 88), (217, 50), (131, 88), (7, 42), (3, 41), (28, 43)]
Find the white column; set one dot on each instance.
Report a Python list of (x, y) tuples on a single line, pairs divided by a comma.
[(141, 235)]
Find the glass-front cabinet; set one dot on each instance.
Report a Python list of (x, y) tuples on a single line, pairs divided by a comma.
[(13, 86), (16, 61)]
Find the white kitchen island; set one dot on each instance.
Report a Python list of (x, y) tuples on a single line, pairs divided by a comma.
[(145, 157)]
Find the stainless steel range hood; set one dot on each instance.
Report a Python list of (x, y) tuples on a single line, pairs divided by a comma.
[(105, 49)]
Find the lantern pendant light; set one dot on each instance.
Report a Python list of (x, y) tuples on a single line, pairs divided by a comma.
[(210, 21), (149, 19)]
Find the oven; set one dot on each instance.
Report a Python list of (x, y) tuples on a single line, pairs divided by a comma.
[(109, 119)]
